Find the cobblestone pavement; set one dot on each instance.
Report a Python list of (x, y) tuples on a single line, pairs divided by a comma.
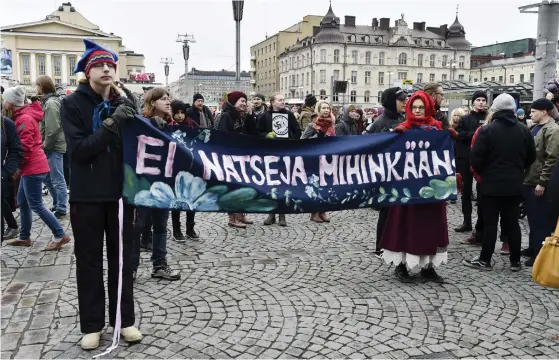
[(304, 291)]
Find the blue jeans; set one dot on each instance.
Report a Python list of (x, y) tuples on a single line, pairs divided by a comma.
[(55, 181), (537, 209), (30, 199), (160, 219)]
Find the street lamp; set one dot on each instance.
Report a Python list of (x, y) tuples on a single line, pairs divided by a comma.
[(238, 16), (166, 61), (185, 39)]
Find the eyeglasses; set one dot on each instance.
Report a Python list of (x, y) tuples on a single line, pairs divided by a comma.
[(418, 107)]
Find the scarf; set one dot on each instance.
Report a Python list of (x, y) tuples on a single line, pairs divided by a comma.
[(326, 125)]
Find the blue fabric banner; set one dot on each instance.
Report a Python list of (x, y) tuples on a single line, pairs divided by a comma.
[(207, 170)]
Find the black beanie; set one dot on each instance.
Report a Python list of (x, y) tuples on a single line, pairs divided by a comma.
[(260, 96), (542, 104), (196, 97), (178, 105), (479, 94), (389, 97), (310, 100)]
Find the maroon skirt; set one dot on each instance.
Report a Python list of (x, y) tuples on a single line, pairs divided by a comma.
[(416, 229)]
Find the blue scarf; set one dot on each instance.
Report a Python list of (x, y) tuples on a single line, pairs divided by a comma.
[(97, 113)]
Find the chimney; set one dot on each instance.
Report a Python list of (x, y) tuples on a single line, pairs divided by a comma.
[(375, 23), (417, 26), (384, 23), (422, 25), (349, 20), (443, 30), (315, 30)]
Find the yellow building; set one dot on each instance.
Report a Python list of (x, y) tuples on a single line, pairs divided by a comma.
[(53, 46), (264, 56)]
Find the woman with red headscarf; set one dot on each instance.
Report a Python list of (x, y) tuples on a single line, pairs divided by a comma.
[(417, 235)]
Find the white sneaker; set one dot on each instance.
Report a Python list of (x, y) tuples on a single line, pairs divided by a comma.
[(90, 341), (131, 334)]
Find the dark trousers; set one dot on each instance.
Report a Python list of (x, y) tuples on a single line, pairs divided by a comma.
[(7, 217), (537, 212), (479, 223), (507, 207), (176, 218), (463, 167), (382, 216), (146, 218), (91, 223)]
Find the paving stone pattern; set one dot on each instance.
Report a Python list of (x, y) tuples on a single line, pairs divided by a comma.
[(304, 291)]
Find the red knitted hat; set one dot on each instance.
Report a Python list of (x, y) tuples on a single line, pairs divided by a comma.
[(234, 96)]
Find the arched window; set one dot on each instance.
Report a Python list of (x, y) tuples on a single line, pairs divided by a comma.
[(322, 94), (403, 59), (381, 58), (367, 96), (323, 55), (368, 58), (432, 60), (337, 56), (445, 60), (420, 60), (353, 96), (379, 96), (461, 61), (355, 56)]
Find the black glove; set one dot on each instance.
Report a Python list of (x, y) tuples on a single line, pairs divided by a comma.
[(123, 114), (320, 134)]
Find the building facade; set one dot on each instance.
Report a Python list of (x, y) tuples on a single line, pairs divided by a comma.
[(372, 58), (264, 56), (54, 45), (213, 85)]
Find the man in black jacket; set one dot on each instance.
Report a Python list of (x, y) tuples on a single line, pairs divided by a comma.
[(92, 118), (200, 112), (466, 128), (435, 90), (394, 103), (12, 154), (503, 150)]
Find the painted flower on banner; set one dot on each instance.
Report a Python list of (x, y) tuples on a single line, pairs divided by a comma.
[(309, 190), (190, 194), (205, 135), (314, 181)]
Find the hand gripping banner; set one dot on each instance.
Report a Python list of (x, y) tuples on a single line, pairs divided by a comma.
[(182, 168)]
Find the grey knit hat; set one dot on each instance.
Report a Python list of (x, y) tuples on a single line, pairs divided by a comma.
[(503, 102), (14, 95)]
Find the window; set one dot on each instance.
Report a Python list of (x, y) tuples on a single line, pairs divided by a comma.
[(58, 81), (336, 56), (72, 82), (298, 62), (403, 59), (313, 77), (501, 79), (265, 62), (42, 64), (368, 58), (402, 75), (354, 56), (431, 77), (281, 84), (420, 60), (484, 79), (461, 61), (303, 58), (381, 78), (444, 77), (367, 97), (323, 94), (445, 60), (336, 74), (323, 55), (492, 78), (297, 83), (308, 78), (27, 81), (461, 77), (335, 98), (25, 64), (308, 59), (353, 96), (419, 78), (432, 61), (322, 76), (521, 77), (379, 96), (57, 62), (532, 77), (381, 58), (354, 77), (367, 77), (512, 79)]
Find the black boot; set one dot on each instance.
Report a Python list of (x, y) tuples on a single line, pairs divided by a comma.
[(190, 232), (465, 227), (178, 236), (402, 273)]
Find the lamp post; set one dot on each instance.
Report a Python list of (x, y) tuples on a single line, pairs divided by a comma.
[(166, 61), (238, 16), (546, 43), (185, 39)]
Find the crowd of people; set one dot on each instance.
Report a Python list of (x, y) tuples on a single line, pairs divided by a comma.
[(510, 162)]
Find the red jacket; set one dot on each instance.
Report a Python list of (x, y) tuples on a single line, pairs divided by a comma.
[(27, 121)]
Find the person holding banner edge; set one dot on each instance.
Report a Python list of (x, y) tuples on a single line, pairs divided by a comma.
[(92, 118)]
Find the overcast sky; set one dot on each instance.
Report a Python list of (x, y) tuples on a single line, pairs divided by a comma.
[(151, 28)]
